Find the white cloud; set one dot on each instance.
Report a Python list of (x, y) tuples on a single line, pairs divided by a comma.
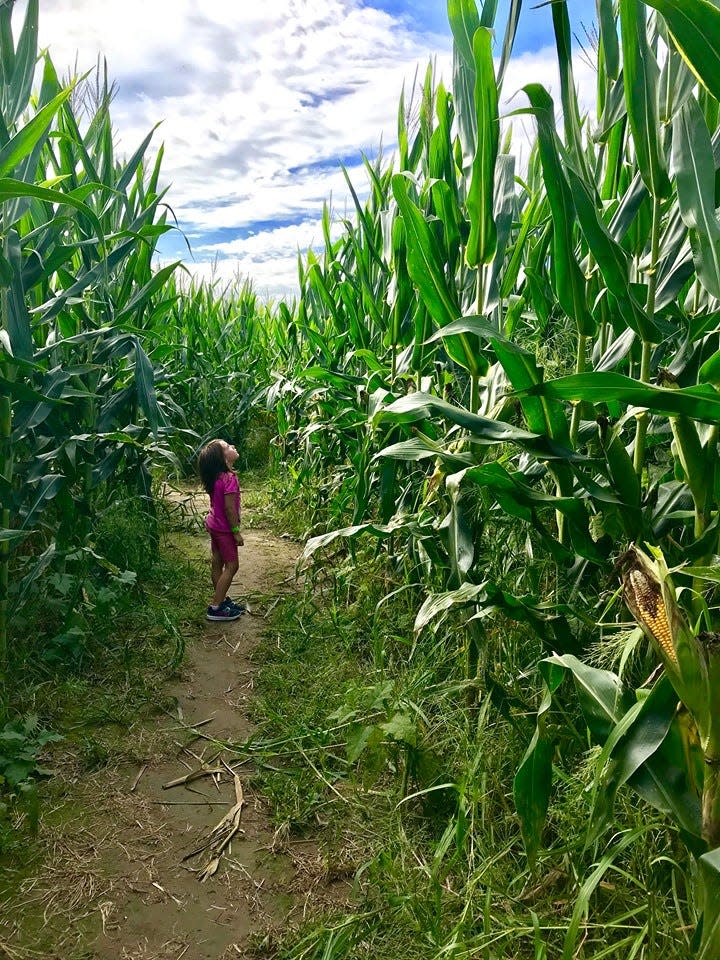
[(258, 102)]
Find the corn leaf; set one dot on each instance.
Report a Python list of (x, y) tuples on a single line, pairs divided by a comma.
[(640, 74), (694, 167), (699, 403), (532, 785), (709, 865), (695, 28), (608, 37), (568, 278), (426, 270), (611, 259), (482, 241)]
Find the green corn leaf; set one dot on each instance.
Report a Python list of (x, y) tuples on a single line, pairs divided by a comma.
[(692, 458), (145, 386), (529, 222), (667, 779), (520, 366), (504, 212), (647, 733), (709, 865), (139, 299), (464, 21), (10, 189), (571, 113), (19, 390), (521, 500), (18, 319), (611, 259), (424, 263), (94, 275), (568, 278), (418, 406), (603, 698), (379, 530), (608, 37), (426, 270), (695, 28), (23, 67), (513, 19), (676, 84), (457, 532), (482, 242), (532, 785), (46, 489), (420, 448), (641, 74), (445, 201), (133, 163), (26, 139), (698, 403), (7, 49), (624, 480), (710, 370), (549, 620), (694, 167)]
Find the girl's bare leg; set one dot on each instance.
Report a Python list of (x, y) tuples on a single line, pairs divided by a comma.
[(216, 568), (223, 583)]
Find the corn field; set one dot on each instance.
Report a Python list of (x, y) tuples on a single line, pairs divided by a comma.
[(501, 379)]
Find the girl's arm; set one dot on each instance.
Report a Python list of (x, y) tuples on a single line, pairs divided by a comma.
[(233, 517)]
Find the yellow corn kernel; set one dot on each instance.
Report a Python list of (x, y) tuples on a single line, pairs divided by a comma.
[(651, 606)]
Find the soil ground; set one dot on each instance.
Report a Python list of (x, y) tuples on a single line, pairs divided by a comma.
[(118, 883)]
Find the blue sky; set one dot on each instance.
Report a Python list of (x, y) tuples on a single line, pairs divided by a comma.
[(259, 103), (534, 28)]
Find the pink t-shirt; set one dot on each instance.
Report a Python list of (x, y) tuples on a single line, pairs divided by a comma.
[(217, 519)]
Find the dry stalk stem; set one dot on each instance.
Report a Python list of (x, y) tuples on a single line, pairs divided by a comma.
[(204, 771), (220, 837)]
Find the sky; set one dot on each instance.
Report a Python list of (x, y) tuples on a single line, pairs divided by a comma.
[(260, 102)]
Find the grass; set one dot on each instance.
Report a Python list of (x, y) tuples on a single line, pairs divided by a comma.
[(375, 751), (102, 703), (367, 751), (96, 682)]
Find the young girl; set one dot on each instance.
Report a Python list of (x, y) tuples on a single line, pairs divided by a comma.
[(223, 524)]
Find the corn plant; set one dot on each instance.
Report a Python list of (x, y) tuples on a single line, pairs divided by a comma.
[(542, 348), (79, 405)]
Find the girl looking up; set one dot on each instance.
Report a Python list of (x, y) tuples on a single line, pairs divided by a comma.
[(215, 465)]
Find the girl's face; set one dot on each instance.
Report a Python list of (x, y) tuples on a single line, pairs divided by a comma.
[(229, 452)]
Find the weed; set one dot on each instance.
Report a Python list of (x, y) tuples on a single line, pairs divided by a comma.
[(365, 737)]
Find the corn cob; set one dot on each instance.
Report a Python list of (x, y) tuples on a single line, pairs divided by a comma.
[(651, 607)]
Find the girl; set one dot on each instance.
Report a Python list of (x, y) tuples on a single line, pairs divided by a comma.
[(223, 524)]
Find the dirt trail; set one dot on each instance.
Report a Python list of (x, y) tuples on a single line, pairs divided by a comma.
[(118, 864)]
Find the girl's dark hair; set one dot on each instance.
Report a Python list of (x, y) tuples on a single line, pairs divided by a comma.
[(211, 463)]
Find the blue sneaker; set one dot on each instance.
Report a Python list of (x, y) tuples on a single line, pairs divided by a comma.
[(236, 604), (223, 612)]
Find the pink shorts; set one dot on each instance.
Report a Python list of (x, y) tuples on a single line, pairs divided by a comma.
[(224, 544)]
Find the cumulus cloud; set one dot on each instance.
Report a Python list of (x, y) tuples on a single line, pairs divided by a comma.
[(259, 103)]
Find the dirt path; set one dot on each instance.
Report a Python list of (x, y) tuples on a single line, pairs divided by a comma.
[(117, 884)]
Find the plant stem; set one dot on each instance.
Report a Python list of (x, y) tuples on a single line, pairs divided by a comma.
[(6, 465), (474, 392), (641, 427), (6, 470), (580, 364), (711, 803)]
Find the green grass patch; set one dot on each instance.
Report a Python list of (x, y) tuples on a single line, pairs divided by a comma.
[(370, 741), (83, 686)]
